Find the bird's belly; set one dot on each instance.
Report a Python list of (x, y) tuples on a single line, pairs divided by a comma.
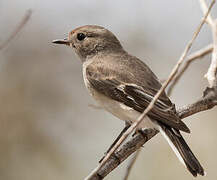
[(120, 110)]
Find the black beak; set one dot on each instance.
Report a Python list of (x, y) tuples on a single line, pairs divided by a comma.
[(62, 41)]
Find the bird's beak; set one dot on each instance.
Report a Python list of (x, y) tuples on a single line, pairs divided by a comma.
[(62, 41)]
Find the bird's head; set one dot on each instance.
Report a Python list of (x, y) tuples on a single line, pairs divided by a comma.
[(90, 40)]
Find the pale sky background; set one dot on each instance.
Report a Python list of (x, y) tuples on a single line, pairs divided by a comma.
[(48, 131)]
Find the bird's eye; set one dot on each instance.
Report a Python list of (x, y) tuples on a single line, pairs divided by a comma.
[(81, 36)]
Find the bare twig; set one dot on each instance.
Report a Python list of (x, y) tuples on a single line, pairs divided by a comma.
[(17, 29), (150, 106), (196, 55), (211, 73), (207, 102), (204, 8), (124, 152), (131, 163)]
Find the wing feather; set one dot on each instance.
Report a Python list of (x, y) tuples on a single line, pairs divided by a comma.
[(137, 98)]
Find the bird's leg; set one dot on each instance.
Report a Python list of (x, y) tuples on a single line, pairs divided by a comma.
[(127, 125), (138, 131)]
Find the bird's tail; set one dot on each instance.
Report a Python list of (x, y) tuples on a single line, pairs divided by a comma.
[(182, 150)]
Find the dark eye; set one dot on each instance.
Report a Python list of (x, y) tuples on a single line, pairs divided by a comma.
[(81, 36)]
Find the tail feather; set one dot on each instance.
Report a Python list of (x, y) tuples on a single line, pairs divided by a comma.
[(182, 150)]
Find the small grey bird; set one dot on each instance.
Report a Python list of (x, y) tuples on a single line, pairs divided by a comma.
[(124, 85)]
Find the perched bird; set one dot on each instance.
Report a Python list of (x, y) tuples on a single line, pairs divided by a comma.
[(124, 85)]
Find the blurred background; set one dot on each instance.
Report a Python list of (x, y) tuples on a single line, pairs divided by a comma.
[(48, 129)]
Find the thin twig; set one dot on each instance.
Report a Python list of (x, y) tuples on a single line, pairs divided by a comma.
[(23, 22), (196, 55), (211, 73), (124, 152), (150, 106), (131, 163), (207, 102), (204, 8)]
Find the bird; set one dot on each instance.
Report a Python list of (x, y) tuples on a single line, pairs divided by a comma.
[(124, 85)]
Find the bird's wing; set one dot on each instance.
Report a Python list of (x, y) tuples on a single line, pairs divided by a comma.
[(135, 97)]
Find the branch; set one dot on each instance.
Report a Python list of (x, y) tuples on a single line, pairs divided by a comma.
[(23, 22), (207, 102), (125, 151), (211, 74), (191, 58), (150, 106), (204, 8)]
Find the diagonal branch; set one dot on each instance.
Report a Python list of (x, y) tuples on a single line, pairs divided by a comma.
[(23, 22), (150, 106), (211, 74), (204, 8), (207, 102), (191, 58)]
